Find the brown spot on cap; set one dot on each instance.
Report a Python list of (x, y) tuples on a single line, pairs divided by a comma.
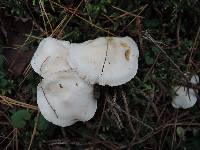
[(60, 85), (128, 50), (125, 45), (127, 54)]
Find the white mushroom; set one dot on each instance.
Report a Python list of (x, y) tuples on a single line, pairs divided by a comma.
[(185, 98), (63, 99), (106, 61), (50, 56), (53, 65), (195, 79)]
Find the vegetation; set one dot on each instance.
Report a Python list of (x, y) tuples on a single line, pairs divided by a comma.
[(137, 115)]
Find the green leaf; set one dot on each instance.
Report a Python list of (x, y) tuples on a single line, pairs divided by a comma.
[(20, 117), (149, 60), (33, 2), (2, 74), (105, 2), (153, 23), (180, 132), (42, 123), (3, 83), (2, 60), (155, 50), (93, 10)]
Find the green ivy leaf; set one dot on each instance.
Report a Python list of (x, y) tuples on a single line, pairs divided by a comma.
[(3, 83), (149, 60), (2, 74), (33, 2), (180, 132), (153, 23), (2, 60), (42, 123), (155, 50), (20, 117)]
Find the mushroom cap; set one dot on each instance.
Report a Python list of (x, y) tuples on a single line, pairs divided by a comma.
[(53, 65), (106, 60), (64, 98), (49, 49), (184, 98), (195, 79)]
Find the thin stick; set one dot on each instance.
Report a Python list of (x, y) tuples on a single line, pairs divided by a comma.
[(8, 101), (16, 140), (178, 32), (105, 56), (148, 37), (150, 70), (127, 111), (174, 132), (58, 26), (132, 117), (157, 130), (142, 9), (90, 23), (193, 47), (7, 136), (70, 17), (45, 27), (49, 102), (43, 63), (102, 115), (34, 130), (44, 11), (126, 12)]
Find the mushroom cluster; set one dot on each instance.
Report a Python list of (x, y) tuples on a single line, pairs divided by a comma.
[(69, 71), (185, 97)]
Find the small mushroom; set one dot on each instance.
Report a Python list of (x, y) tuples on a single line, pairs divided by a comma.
[(50, 56), (195, 79), (106, 60), (64, 98), (185, 98)]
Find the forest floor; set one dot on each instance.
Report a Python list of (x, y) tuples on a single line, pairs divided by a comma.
[(137, 115)]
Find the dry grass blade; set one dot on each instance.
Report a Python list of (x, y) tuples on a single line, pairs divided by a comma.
[(126, 12), (10, 102), (63, 20), (8, 136), (150, 38), (45, 25), (34, 130), (90, 23), (44, 12), (157, 130), (7, 146), (136, 115), (174, 132), (151, 68), (195, 45), (70, 17), (142, 9), (115, 115), (132, 117), (16, 140), (127, 111), (102, 115)]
